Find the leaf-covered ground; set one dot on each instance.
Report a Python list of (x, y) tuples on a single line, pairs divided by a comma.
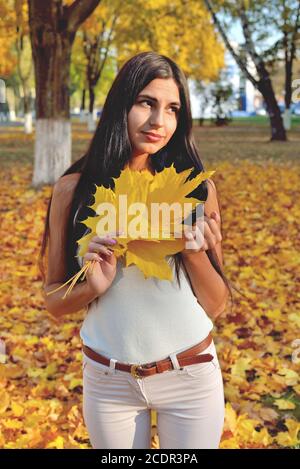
[(41, 381)]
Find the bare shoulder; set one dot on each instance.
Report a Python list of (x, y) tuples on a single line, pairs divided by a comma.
[(62, 195), (211, 184), (212, 194), (66, 184)]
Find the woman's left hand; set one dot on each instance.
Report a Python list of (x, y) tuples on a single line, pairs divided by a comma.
[(205, 235)]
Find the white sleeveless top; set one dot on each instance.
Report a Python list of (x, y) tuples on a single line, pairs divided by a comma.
[(140, 320)]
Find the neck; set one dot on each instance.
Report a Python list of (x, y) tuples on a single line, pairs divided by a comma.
[(140, 163)]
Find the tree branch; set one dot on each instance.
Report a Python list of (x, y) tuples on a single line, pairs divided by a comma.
[(294, 35), (236, 56), (78, 12)]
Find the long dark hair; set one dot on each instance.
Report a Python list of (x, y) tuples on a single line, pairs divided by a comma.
[(110, 149)]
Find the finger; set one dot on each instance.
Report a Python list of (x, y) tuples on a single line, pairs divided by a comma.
[(209, 236), (191, 229), (215, 229), (91, 256), (205, 246), (111, 260), (216, 216), (95, 247), (111, 235), (93, 265), (104, 240), (200, 223), (200, 241), (196, 241), (189, 235)]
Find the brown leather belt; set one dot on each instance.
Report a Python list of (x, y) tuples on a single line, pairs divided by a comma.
[(187, 357)]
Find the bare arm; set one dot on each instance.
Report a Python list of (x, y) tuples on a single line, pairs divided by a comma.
[(79, 298), (81, 295), (208, 285)]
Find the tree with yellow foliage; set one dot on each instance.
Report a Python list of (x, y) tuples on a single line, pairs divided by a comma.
[(24, 60), (53, 26), (97, 35), (182, 30), (126, 28), (7, 37)]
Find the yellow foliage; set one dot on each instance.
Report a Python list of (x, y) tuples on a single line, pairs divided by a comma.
[(181, 31), (156, 239), (148, 250)]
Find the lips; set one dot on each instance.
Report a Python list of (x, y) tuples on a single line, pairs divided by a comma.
[(151, 134), (152, 137)]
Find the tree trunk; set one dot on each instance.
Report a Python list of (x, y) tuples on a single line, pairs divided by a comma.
[(91, 122), (11, 101), (82, 108), (26, 98), (288, 83), (28, 123), (53, 26), (27, 112), (92, 99), (52, 65), (91, 116), (52, 150), (264, 85), (277, 127), (287, 119)]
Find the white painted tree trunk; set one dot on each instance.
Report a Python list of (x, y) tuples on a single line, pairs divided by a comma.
[(10, 95), (52, 155), (12, 115), (287, 119), (82, 117), (28, 123), (91, 122)]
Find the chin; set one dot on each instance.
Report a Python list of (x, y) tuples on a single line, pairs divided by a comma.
[(149, 148)]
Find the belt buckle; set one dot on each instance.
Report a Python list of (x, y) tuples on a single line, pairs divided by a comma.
[(133, 371)]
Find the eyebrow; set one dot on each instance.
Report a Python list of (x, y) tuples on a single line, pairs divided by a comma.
[(154, 99)]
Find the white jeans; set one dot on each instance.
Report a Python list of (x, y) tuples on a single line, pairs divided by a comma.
[(189, 403)]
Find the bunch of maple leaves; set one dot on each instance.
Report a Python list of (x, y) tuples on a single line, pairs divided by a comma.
[(40, 358)]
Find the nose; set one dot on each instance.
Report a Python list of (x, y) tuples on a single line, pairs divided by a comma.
[(157, 117)]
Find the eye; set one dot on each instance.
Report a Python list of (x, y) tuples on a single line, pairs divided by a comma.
[(173, 108), (146, 101)]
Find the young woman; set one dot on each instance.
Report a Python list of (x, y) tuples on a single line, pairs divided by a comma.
[(147, 343)]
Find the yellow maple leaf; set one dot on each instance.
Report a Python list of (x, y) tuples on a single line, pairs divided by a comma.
[(230, 418), (290, 376), (155, 240), (230, 443), (17, 409), (4, 401), (284, 404), (240, 366), (58, 443), (12, 424), (74, 383), (289, 438)]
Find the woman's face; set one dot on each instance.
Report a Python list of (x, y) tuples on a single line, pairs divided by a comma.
[(155, 110)]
